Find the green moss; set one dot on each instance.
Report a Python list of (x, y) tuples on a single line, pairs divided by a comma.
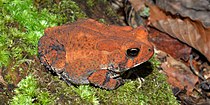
[(110, 12), (145, 12), (66, 95), (87, 93), (70, 11), (67, 9), (157, 90), (91, 3), (102, 20), (21, 27), (28, 93)]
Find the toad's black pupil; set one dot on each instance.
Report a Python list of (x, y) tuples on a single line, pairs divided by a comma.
[(133, 52)]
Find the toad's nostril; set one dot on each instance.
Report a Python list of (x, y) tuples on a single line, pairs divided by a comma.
[(132, 52)]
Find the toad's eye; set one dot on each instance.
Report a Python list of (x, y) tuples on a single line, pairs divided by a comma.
[(132, 52)]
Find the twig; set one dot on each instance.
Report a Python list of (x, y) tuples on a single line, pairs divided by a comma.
[(194, 70)]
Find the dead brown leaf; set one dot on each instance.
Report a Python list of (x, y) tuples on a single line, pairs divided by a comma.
[(194, 9), (164, 42), (186, 30), (179, 75)]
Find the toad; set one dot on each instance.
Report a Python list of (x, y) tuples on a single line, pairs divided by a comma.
[(89, 52)]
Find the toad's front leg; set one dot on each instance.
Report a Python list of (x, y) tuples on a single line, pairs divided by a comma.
[(102, 78)]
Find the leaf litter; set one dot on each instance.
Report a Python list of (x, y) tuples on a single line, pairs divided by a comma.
[(182, 42)]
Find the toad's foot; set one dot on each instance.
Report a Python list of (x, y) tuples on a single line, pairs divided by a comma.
[(102, 79)]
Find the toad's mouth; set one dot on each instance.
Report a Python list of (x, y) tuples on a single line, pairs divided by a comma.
[(120, 68), (114, 69), (116, 72)]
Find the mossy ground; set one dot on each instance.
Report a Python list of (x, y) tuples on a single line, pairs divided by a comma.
[(23, 23)]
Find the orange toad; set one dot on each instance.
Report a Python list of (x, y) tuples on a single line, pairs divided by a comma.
[(87, 51)]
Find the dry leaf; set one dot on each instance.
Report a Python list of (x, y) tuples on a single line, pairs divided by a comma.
[(190, 32), (179, 75), (195, 9), (164, 42)]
